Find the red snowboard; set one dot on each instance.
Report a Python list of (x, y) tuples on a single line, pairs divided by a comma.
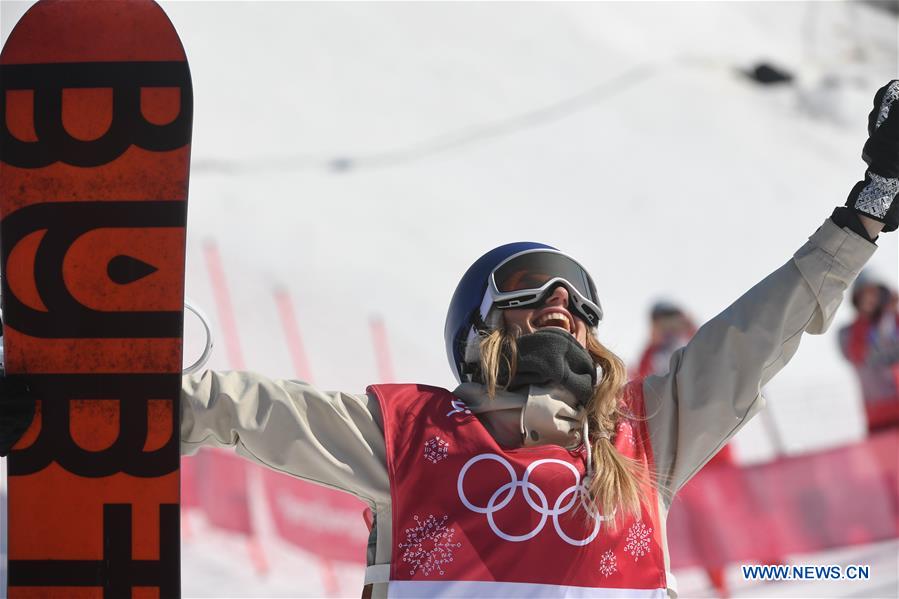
[(94, 160)]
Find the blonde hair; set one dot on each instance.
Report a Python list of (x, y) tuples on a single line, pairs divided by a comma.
[(616, 484)]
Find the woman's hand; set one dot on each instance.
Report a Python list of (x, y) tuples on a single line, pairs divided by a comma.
[(874, 199)]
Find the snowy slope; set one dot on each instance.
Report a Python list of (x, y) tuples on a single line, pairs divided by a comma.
[(599, 128), (364, 154)]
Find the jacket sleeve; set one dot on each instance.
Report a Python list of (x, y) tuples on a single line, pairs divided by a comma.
[(330, 438), (714, 383)]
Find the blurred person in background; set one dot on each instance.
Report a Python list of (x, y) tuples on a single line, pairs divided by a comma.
[(542, 406), (670, 328), (871, 344)]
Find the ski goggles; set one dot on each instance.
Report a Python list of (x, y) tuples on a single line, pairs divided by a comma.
[(529, 277)]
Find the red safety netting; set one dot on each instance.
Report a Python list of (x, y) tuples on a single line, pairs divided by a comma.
[(828, 499), (844, 496), (326, 522)]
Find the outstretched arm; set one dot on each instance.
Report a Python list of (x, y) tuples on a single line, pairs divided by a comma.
[(330, 438), (714, 384)]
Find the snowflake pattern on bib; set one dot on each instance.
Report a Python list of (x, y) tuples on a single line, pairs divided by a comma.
[(626, 432), (436, 449), (429, 545), (637, 543), (608, 564)]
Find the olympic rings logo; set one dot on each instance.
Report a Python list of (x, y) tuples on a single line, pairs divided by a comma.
[(577, 491)]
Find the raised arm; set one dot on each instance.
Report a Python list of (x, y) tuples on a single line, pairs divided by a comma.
[(330, 438), (714, 384)]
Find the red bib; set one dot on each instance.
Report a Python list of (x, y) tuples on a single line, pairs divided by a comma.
[(471, 518)]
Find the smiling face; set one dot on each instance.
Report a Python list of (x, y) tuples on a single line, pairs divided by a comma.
[(552, 313)]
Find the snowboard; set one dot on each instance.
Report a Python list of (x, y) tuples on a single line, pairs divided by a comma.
[(95, 136)]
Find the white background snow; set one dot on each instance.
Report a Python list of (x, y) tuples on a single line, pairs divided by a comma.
[(364, 154)]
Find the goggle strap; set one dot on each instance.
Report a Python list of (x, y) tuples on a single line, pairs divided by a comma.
[(477, 321), (484, 309)]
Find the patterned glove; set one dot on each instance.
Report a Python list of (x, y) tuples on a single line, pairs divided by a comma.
[(875, 197)]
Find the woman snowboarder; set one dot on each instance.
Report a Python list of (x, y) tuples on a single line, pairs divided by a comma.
[(544, 473)]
